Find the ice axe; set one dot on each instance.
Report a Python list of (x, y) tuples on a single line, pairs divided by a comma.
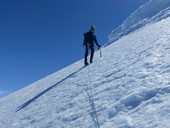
[(100, 52)]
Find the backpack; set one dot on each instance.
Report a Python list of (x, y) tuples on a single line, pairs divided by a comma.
[(85, 39)]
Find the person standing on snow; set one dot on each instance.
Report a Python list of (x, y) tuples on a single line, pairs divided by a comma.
[(89, 39)]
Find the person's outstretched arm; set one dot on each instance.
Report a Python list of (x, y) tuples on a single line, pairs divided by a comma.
[(96, 42)]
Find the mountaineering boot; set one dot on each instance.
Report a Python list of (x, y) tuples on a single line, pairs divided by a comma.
[(86, 64)]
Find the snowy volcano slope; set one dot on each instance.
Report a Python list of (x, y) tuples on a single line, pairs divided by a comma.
[(129, 87), (2, 93), (152, 11)]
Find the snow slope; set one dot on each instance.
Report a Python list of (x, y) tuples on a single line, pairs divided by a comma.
[(128, 87), (2, 93), (152, 11)]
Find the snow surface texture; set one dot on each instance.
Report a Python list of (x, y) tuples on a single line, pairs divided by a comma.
[(128, 87), (152, 11), (2, 93)]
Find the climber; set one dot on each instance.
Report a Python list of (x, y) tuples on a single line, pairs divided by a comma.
[(89, 39)]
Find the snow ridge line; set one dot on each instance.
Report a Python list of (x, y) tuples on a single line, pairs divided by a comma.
[(46, 90)]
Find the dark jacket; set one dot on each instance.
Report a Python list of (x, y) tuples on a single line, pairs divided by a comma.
[(89, 39)]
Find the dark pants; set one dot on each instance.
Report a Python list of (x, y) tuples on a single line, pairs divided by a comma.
[(86, 53)]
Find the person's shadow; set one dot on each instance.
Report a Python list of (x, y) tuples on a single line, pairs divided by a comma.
[(46, 90)]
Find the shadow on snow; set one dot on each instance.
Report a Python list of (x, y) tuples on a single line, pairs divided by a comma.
[(46, 90)]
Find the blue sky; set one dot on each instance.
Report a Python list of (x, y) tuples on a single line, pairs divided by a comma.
[(39, 37)]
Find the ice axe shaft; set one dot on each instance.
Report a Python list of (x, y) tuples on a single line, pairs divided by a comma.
[(100, 53)]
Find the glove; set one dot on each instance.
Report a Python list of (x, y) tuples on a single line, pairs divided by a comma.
[(99, 46)]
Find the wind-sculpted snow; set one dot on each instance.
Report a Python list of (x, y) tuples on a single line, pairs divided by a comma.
[(152, 11), (128, 87)]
